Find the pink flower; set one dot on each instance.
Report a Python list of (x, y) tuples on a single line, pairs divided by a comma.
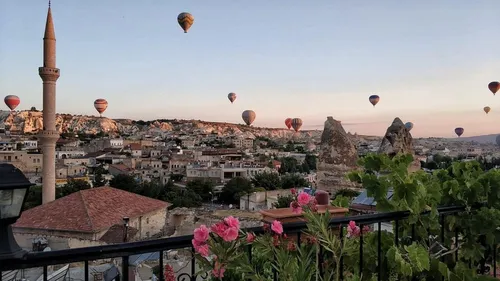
[(277, 227), (366, 228), (197, 243), (202, 250), (232, 222), (201, 233), (353, 230), (303, 199), (219, 228), (293, 191), (250, 237), (295, 207), (230, 234), (218, 270), (169, 274)]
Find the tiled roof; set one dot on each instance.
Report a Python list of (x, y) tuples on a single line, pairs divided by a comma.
[(91, 210), (135, 146), (121, 167), (115, 234)]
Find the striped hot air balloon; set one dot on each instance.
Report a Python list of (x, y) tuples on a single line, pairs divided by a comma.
[(12, 101), (288, 123), (185, 20), (231, 97), (248, 116), (100, 105), (296, 124)]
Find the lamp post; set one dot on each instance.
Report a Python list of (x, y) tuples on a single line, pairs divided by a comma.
[(14, 188), (125, 228)]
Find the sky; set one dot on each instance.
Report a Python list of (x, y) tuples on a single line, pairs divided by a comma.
[(429, 61)]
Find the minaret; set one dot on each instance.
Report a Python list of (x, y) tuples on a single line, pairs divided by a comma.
[(49, 136)]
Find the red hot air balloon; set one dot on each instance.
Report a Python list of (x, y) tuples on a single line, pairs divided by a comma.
[(288, 123), (12, 101), (296, 124), (374, 99), (494, 87), (100, 105), (231, 97), (459, 131)]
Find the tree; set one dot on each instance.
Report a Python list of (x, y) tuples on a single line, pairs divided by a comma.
[(289, 147), (293, 181), (176, 177), (267, 180), (289, 165), (124, 182), (34, 197), (99, 180), (202, 187), (234, 189), (151, 189), (283, 201), (305, 168), (183, 198), (311, 161), (72, 186)]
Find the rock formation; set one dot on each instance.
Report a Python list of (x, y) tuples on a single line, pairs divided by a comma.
[(32, 122), (398, 139), (337, 157)]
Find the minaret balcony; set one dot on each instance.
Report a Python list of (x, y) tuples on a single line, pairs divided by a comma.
[(49, 73)]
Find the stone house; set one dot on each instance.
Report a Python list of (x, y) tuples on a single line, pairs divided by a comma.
[(91, 217)]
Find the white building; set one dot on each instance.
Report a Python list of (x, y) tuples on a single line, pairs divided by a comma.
[(116, 143), (69, 154), (30, 144)]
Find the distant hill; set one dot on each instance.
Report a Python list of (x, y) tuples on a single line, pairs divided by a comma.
[(32, 122), (480, 139)]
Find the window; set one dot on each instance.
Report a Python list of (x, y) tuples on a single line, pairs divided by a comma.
[(147, 220)]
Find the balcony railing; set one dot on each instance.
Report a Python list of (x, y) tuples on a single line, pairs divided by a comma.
[(124, 255)]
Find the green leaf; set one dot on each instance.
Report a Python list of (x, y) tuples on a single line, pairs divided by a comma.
[(418, 256)]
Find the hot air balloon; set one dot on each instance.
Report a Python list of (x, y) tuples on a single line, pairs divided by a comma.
[(185, 20), (248, 116), (374, 99), (100, 105), (12, 101), (231, 97), (494, 87), (487, 109), (498, 140), (409, 125), (459, 131), (288, 123), (296, 124)]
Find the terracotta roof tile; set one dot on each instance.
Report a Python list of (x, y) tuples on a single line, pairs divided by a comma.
[(91, 210)]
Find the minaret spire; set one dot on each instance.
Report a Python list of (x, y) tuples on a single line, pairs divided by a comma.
[(49, 135)]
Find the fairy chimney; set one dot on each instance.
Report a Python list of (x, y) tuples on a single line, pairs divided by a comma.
[(337, 157)]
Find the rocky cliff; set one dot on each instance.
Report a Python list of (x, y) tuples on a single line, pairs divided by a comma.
[(398, 139), (32, 122), (337, 157)]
